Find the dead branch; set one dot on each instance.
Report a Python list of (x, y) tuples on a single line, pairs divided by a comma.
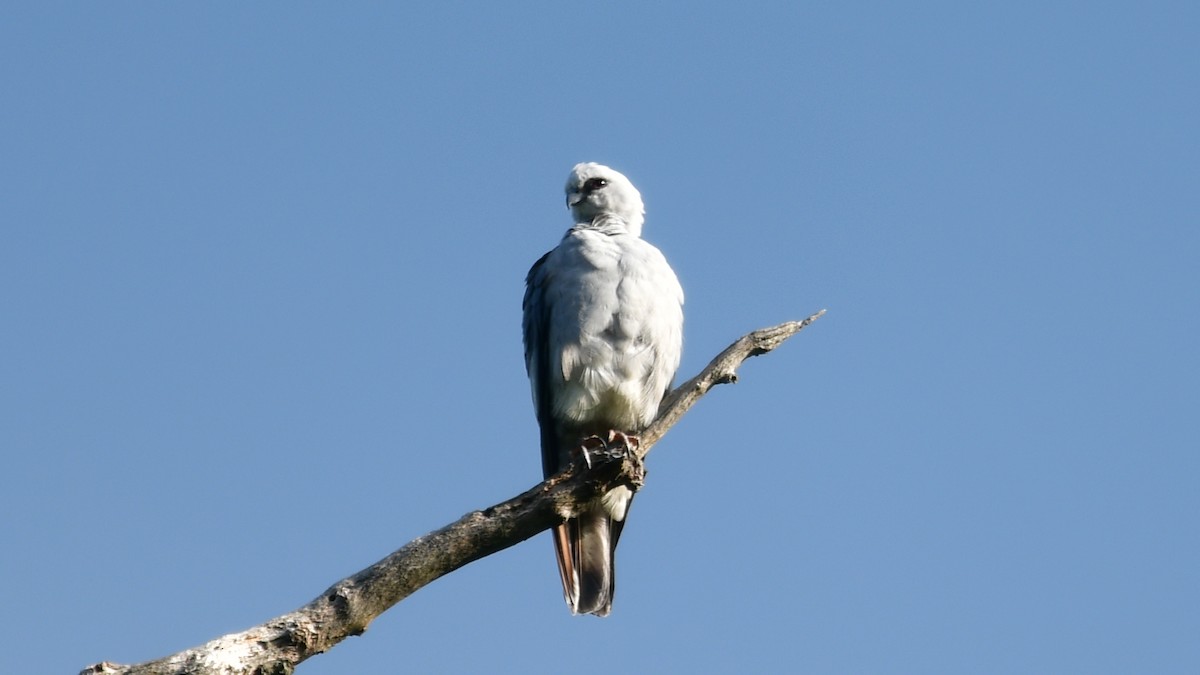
[(349, 606)]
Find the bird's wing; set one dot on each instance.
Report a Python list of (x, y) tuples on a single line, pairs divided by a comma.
[(536, 332), (544, 367)]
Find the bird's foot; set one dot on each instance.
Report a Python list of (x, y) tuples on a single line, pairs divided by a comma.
[(617, 441), (615, 451)]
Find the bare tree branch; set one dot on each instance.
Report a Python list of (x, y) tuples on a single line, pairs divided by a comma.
[(721, 370), (349, 606)]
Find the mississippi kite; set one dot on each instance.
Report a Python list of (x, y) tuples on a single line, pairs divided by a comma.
[(603, 329)]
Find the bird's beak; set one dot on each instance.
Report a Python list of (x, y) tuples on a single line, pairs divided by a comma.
[(574, 198)]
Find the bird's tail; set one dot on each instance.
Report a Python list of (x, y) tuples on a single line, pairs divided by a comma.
[(585, 548)]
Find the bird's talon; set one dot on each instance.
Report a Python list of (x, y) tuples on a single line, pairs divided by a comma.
[(589, 445), (618, 439)]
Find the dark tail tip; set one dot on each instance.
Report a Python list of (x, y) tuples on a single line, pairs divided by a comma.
[(595, 548)]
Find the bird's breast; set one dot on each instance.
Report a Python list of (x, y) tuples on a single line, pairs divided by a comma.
[(618, 331)]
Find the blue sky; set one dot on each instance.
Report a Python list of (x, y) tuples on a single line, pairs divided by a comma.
[(261, 269)]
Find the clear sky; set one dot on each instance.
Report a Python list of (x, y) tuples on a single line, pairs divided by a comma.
[(261, 268)]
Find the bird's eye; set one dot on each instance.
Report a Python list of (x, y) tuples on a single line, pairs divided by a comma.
[(593, 184)]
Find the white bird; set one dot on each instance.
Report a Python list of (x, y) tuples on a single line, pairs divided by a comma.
[(603, 329)]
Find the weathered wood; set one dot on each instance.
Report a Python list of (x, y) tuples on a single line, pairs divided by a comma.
[(721, 370), (350, 605)]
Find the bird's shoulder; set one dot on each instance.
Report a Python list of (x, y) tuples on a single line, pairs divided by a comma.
[(589, 256)]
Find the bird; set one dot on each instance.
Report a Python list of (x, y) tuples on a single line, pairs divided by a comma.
[(603, 334)]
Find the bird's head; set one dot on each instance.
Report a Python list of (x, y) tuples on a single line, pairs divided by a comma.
[(594, 190)]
